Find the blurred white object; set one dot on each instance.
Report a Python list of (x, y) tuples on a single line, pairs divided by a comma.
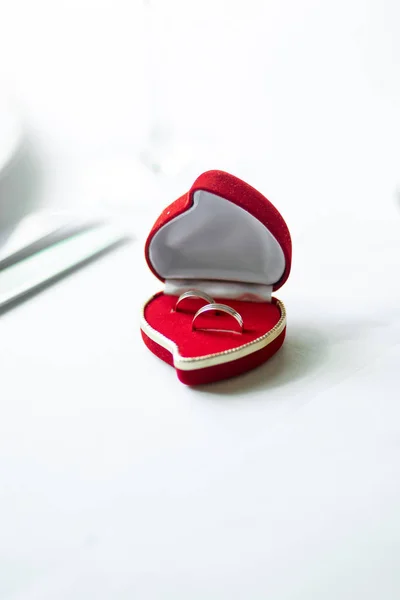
[(10, 130)]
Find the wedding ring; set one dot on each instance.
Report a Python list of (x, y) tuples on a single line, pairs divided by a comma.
[(194, 294), (221, 308)]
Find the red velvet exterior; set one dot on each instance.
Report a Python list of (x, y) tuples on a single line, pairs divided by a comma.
[(218, 372), (240, 193), (158, 350), (259, 318)]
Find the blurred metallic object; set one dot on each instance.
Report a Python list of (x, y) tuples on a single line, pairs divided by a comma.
[(36, 232), (53, 254)]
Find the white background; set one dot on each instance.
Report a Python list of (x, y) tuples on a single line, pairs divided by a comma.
[(115, 480)]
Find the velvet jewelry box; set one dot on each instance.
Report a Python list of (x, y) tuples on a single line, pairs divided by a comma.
[(224, 239)]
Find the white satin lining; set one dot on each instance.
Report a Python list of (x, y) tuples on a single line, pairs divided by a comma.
[(216, 241), (250, 292)]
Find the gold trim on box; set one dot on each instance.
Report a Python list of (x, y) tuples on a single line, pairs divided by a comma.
[(210, 360)]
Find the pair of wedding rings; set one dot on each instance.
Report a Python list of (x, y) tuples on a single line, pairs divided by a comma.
[(210, 307)]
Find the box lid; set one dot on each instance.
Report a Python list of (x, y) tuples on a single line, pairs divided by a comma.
[(222, 230)]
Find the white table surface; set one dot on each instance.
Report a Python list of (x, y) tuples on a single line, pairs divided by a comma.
[(118, 482)]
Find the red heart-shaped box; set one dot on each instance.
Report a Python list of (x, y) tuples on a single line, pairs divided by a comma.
[(226, 239)]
